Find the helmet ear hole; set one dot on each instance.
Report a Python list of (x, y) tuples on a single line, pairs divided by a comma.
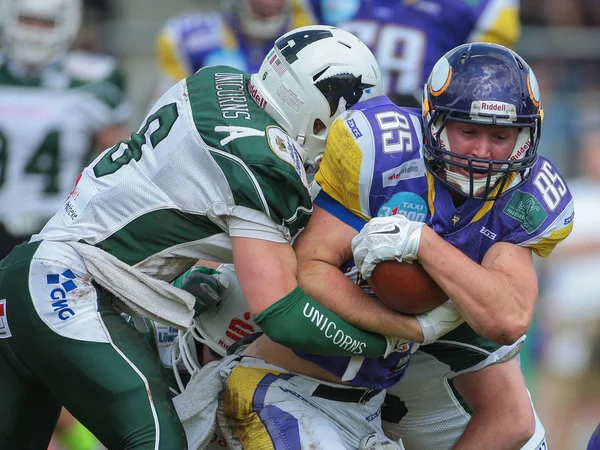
[(318, 126)]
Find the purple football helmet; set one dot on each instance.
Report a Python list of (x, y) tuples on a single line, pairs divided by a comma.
[(485, 84)]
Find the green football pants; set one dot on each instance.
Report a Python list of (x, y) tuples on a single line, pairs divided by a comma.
[(62, 343)]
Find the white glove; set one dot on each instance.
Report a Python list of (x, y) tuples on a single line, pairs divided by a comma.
[(395, 344), (439, 321), (386, 238)]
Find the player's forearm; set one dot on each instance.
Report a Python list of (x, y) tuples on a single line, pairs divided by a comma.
[(331, 288), (486, 298), (300, 323)]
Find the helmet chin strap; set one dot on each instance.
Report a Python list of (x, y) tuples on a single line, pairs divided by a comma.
[(301, 139)]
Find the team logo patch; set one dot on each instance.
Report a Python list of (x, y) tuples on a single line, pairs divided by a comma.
[(4, 328), (286, 149), (527, 210), (409, 204)]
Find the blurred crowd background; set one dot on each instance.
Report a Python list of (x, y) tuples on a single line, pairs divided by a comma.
[(559, 38)]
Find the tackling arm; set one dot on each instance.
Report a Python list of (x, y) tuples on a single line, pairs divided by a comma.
[(266, 272), (321, 249)]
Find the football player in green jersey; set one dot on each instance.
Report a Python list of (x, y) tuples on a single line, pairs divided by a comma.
[(216, 172)]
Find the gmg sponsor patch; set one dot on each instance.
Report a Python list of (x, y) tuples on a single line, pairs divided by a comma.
[(526, 209), (409, 204), (4, 328)]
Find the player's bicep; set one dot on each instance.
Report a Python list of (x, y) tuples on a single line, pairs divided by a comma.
[(266, 271), (325, 239), (517, 264)]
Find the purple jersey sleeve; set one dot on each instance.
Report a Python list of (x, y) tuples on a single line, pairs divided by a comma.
[(541, 212)]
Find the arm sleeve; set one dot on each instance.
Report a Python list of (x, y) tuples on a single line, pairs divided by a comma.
[(300, 323)]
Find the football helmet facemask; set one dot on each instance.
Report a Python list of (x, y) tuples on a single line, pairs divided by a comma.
[(217, 328), (484, 84)]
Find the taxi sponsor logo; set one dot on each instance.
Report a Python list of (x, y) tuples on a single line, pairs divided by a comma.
[(408, 204)]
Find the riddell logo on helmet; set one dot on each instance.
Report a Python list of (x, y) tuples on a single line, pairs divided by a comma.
[(526, 146), (493, 106), (256, 95)]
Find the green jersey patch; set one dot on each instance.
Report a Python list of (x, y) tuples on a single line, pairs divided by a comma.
[(526, 209)]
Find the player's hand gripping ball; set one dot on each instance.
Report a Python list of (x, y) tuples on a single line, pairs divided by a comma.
[(383, 252)]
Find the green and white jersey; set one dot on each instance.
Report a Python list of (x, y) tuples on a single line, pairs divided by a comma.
[(207, 164), (47, 127)]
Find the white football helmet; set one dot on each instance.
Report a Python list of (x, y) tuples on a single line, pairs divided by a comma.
[(253, 22), (311, 75), (33, 45), (218, 328)]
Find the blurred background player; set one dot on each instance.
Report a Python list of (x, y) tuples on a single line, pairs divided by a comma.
[(57, 108), (239, 35), (409, 36)]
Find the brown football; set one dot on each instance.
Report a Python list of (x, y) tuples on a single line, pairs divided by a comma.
[(405, 287)]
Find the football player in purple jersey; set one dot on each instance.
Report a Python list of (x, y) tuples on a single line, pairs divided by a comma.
[(481, 203), (409, 36), (492, 203)]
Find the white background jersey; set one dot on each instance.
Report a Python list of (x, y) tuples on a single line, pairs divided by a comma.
[(47, 126)]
